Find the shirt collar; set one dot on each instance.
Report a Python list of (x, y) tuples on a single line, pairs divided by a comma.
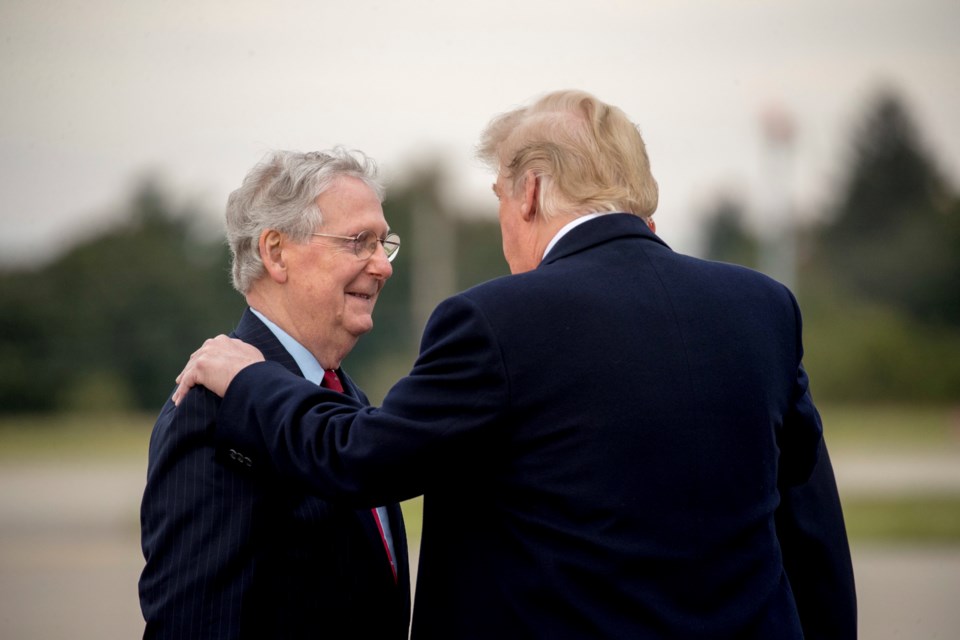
[(565, 229), (308, 364)]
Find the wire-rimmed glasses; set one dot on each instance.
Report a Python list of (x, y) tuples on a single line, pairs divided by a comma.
[(365, 243)]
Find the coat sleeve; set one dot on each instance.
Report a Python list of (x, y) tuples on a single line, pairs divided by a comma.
[(445, 408), (816, 554), (809, 519)]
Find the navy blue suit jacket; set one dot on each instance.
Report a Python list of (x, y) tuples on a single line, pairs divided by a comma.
[(606, 446), (230, 554)]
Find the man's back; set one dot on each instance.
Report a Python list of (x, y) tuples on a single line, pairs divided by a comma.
[(634, 465)]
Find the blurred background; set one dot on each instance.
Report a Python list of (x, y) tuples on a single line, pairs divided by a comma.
[(818, 142)]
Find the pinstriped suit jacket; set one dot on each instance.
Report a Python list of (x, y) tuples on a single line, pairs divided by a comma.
[(230, 554)]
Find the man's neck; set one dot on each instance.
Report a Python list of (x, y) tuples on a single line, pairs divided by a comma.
[(563, 226), (310, 367)]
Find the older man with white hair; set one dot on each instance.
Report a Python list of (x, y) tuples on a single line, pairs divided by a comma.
[(230, 552)]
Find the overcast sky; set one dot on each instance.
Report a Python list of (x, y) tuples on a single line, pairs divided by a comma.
[(95, 93)]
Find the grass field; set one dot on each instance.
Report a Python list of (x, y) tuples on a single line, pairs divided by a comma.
[(74, 436), (891, 427), (864, 430)]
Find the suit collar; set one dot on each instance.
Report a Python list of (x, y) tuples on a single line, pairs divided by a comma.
[(309, 366), (598, 231), (251, 330)]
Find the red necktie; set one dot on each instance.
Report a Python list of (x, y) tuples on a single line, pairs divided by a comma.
[(331, 381)]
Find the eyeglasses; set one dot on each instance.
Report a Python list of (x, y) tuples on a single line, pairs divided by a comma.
[(365, 243)]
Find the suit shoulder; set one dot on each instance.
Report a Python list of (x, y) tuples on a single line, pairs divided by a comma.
[(736, 274), (502, 290), (196, 411)]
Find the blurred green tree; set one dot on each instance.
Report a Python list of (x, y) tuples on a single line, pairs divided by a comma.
[(108, 324), (880, 292), (727, 237), (894, 234), (878, 278)]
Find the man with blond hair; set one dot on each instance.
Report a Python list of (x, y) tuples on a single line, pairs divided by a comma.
[(616, 441)]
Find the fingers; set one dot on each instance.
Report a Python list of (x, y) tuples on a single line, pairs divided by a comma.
[(185, 380), (189, 376), (214, 365), (210, 343), (178, 393)]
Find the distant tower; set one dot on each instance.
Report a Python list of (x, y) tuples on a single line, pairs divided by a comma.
[(778, 252)]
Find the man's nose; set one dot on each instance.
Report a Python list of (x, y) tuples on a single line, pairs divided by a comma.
[(378, 265)]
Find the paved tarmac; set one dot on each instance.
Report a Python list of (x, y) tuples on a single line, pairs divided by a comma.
[(70, 557)]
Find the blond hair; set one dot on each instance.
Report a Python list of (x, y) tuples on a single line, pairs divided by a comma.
[(587, 155)]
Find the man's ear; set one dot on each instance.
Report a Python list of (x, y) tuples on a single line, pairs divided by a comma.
[(530, 195), (271, 253)]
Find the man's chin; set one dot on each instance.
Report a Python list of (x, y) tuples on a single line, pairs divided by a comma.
[(360, 327)]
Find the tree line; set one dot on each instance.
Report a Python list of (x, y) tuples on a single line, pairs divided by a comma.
[(109, 323), (878, 273)]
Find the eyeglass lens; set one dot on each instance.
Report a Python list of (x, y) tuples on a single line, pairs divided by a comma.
[(366, 245)]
